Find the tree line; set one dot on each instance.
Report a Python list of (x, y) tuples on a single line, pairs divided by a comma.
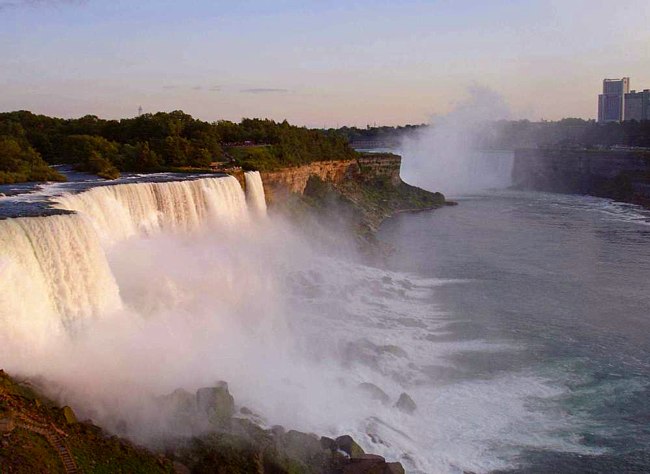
[(154, 142), (508, 134)]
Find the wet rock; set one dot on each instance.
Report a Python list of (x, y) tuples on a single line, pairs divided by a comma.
[(278, 430), (70, 417), (349, 446), (374, 392), (327, 443), (374, 458), (394, 468), (301, 446), (406, 404), (370, 354), (394, 350), (217, 403), (368, 464)]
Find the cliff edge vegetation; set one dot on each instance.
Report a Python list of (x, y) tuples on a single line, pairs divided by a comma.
[(173, 141)]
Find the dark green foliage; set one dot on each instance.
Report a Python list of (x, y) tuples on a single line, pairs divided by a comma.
[(20, 162), (169, 141)]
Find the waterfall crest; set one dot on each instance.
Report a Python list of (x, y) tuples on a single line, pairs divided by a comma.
[(125, 210), (53, 274), (255, 192)]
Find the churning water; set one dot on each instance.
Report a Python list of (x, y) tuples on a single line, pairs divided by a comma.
[(516, 322), (561, 286)]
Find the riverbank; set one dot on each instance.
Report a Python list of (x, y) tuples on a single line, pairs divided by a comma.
[(39, 436)]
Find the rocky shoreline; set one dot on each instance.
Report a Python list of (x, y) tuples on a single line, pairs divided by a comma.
[(38, 436)]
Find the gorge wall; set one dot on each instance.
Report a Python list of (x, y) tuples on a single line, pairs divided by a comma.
[(294, 180), (351, 195), (623, 175)]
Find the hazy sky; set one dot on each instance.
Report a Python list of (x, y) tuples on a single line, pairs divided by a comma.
[(317, 62)]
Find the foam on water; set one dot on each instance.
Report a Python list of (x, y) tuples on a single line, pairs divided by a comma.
[(167, 305)]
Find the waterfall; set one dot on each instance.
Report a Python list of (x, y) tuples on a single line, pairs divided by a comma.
[(255, 192), (53, 274), (125, 210)]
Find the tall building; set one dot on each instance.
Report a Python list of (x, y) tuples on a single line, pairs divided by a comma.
[(611, 103), (637, 105)]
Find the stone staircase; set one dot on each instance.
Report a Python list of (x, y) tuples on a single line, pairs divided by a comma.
[(54, 436)]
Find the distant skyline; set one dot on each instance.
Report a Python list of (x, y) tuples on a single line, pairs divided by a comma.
[(317, 63)]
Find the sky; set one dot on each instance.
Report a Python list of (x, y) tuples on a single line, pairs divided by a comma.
[(317, 63)]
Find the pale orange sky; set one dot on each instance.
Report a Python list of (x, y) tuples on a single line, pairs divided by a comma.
[(317, 63)]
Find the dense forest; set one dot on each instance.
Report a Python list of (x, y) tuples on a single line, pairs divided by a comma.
[(172, 141), (569, 132)]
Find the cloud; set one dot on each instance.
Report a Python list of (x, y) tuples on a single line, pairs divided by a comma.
[(263, 90), (8, 4)]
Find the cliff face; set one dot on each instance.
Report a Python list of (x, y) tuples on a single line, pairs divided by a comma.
[(294, 180), (621, 175), (350, 196)]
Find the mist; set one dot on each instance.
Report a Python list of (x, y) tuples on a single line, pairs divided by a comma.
[(294, 324), (449, 156)]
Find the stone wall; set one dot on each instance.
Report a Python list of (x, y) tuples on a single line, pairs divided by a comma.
[(623, 175)]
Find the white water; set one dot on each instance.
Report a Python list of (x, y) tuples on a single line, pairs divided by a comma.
[(53, 274), (207, 293), (126, 210), (255, 192)]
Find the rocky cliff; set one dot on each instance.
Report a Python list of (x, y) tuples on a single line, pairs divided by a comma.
[(618, 174), (356, 194), (369, 166), (352, 196)]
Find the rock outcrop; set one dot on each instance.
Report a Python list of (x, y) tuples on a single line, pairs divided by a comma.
[(369, 166)]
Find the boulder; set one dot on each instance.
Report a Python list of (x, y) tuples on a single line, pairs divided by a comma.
[(70, 417), (328, 443), (373, 458), (349, 446), (301, 446), (217, 403), (406, 404), (372, 465), (394, 468), (374, 392)]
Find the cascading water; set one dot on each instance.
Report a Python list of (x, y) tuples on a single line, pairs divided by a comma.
[(297, 334), (255, 192), (126, 210), (53, 275), (54, 272)]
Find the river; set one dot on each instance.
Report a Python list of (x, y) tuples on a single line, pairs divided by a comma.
[(559, 287)]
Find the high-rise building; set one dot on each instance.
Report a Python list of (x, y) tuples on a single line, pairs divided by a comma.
[(611, 103), (637, 105)]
